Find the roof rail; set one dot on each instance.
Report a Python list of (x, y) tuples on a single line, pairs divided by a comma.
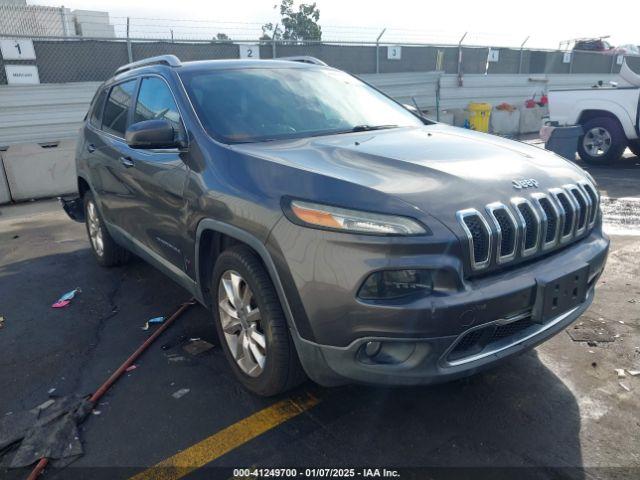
[(170, 60), (304, 59)]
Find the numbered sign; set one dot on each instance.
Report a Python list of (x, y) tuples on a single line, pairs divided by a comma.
[(22, 74), (17, 49), (494, 55), (249, 51), (566, 58), (620, 59), (394, 52)]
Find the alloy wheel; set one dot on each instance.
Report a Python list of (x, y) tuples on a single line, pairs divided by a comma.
[(597, 142), (242, 323), (95, 229)]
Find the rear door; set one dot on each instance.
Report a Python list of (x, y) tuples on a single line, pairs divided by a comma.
[(156, 178), (105, 148)]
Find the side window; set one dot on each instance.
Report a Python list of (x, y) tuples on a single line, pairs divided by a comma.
[(155, 101), (114, 119), (95, 119)]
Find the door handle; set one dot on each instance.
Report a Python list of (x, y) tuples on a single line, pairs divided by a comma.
[(126, 161), (91, 148)]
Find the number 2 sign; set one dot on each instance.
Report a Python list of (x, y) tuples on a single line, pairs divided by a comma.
[(17, 49), (249, 51)]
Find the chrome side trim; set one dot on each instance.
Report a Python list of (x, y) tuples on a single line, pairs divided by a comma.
[(157, 260), (516, 202), (461, 215), (491, 209)]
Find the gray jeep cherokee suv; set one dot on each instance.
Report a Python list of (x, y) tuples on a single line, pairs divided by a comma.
[(331, 231)]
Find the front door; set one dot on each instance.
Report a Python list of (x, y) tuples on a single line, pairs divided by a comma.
[(156, 178)]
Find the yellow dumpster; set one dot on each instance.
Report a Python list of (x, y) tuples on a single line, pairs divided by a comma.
[(479, 114)]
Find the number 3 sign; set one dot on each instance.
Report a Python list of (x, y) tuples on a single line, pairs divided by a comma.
[(249, 51)]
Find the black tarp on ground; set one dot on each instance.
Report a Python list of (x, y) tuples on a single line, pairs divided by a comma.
[(49, 430)]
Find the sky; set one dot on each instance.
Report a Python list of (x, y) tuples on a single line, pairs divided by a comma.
[(489, 22)]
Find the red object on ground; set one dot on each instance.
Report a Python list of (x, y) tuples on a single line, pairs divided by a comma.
[(530, 103), (61, 304), (121, 369)]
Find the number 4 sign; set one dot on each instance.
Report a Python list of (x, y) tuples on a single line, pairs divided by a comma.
[(17, 49), (249, 51)]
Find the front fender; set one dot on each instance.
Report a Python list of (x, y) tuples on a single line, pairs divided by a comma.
[(209, 224)]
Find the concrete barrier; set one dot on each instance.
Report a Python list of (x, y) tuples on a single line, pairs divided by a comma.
[(40, 170), (504, 122), (531, 119)]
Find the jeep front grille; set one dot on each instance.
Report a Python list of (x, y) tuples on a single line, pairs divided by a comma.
[(528, 225)]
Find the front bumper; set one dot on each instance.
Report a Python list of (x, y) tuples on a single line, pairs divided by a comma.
[(426, 330), (427, 362)]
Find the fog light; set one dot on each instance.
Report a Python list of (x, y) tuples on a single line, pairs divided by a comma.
[(389, 284), (386, 353)]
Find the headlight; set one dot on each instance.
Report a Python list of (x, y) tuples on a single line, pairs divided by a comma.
[(334, 218)]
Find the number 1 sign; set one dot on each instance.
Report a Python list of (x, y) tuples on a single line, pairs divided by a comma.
[(17, 49)]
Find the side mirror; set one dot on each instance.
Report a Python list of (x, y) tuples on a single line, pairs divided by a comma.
[(150, 134)]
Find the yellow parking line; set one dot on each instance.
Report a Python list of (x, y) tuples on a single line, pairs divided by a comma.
[(226, 440)]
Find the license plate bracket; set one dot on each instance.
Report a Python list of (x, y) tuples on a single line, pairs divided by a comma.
[(559, 295)]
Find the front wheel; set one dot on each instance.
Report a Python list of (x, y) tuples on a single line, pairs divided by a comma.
[(251, 324), (603, 141)]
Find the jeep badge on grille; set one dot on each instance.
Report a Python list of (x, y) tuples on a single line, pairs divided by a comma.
[(524, 183)]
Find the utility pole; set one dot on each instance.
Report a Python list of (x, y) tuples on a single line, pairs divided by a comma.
[(273, 41), (378, 50), (129, 52), (460, 59), (521, 52)]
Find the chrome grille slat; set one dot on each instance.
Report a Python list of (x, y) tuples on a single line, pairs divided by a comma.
[(567, 213), (594, 201), (506, 229), (582, 212), (477, 262), (530, 225), (527, 226), (551, 220)]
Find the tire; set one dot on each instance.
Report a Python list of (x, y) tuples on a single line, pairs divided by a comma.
[(280, 369), (107, 252), (603, 142), (634, 146)]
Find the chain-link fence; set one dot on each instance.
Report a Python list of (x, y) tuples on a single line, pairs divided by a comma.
[(76, 46)]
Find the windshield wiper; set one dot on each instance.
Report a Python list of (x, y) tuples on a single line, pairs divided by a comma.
[(368, 128)]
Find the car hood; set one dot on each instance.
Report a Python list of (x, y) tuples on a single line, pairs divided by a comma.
[(435, 168)]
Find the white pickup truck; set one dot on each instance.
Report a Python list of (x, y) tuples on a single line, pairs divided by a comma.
[(608, 115)]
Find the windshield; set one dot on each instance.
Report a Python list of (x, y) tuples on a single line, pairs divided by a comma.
[(259, 104)]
